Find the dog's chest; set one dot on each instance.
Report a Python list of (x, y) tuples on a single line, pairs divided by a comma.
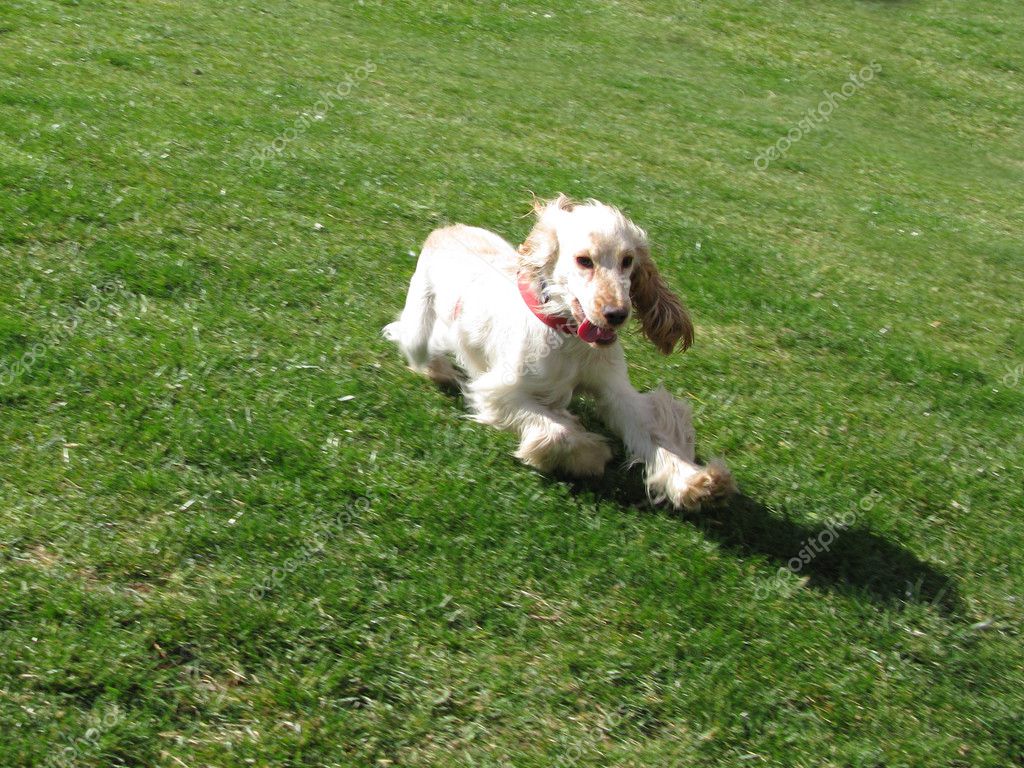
[(553, 377)]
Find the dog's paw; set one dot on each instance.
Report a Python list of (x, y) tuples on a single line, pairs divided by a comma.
[(560, 449), (709, 484), (688, 487), (588, 457)]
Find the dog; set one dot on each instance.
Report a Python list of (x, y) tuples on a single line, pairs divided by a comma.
[(530, 327)]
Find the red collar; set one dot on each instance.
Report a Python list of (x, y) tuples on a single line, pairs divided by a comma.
[(559, 323)]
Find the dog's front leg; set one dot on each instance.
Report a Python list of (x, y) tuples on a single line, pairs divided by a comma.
[(551, 439), (657, 430), (556, 441)]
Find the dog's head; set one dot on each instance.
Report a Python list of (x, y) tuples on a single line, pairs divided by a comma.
[(595, 264)]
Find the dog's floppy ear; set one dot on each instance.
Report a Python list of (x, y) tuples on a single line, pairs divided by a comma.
[(663, 317), (539, 251)]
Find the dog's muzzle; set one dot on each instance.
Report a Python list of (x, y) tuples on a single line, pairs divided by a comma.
[(587, 331)]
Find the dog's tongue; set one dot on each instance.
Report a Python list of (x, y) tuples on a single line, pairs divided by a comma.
[(592, 334)]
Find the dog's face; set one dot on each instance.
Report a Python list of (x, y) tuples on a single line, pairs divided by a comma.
[(596, 265), (597, 251)]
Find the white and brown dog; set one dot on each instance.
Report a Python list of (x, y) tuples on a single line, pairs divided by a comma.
[(532, 327)]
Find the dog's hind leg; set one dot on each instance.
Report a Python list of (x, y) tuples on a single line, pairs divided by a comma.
[(413, 329), (439, 366)]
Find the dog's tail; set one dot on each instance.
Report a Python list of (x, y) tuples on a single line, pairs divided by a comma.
[(412, 330)]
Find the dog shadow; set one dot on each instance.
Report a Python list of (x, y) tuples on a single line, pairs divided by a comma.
[(854, 560)]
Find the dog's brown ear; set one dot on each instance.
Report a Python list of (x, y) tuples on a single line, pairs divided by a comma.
[(662, 316), (538, 253)]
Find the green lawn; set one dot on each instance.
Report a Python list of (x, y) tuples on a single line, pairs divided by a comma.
[(235, 530)]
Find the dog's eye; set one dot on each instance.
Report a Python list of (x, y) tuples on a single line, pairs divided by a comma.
[(627, 262), (585, 261)]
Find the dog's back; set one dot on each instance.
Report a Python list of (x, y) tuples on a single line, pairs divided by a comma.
[(468, 248), (461, 269)]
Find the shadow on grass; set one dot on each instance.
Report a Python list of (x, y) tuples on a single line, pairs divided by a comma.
[(857, 560)]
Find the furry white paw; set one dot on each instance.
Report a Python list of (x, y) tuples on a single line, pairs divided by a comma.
[(712, 483), (578, 453), (688, 486), (588, 457)]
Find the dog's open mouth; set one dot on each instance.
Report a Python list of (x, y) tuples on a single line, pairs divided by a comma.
[(586, 330)]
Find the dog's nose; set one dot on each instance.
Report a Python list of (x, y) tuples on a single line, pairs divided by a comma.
[(615, 316)]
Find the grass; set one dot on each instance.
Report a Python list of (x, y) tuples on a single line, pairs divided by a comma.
[(188, 573)]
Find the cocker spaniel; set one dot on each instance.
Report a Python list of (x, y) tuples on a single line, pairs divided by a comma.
[(532, 327)]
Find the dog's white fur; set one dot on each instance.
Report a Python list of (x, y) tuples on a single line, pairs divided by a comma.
[(521, 374)]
